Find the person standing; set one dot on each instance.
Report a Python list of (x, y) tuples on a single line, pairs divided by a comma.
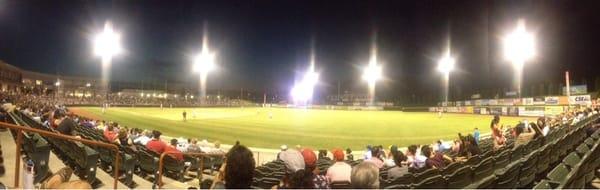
[(476, 135), (184, 115)]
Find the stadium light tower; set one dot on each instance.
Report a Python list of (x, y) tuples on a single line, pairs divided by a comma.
[(106, 45), (302, 92), (445, 66), (519, 47), (204, 63), (372, 73)]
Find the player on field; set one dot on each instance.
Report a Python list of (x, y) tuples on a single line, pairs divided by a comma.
[(184, 115)]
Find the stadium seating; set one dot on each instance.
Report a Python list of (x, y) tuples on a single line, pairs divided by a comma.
[(434, 182), (460, 178), (36, 148)]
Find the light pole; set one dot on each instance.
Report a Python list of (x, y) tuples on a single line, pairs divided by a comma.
[(372, 73), (302, 92), (445, 66), (106, 45), (57, 85), (519, 47), (204, 63)]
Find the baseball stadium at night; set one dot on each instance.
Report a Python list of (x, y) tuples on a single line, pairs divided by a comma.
[(299, 94)]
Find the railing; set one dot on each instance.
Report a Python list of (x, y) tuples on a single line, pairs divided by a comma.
[(19, 141), (201, 167)]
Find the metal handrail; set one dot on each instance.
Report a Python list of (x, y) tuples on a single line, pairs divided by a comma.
[(44, 133), (199, 155)]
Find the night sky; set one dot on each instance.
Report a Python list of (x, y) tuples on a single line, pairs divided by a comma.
[(263, 45)]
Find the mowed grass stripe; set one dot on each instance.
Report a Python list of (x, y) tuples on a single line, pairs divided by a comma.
[(315, 128)]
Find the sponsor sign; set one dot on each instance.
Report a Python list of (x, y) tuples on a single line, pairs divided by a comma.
[(539, 101), (484, 111), (511, 93), (475, 96), (468, 103), (492, 102), (552, 100), (581, 100), (513, 111), (528, 101), (532, 111), (496, 110), (575, 90), (469, 109), (485, 102), (563, 100), (459, 103), (478, 102), (477, 110)]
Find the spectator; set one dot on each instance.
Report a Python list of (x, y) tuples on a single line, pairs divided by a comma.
[(497, 135), (143, 139), (122, 138), (312, 178), (109, 133), (365, 176), (476, 135), (238, 170), (434, 159), (340, 170), (541, 122), (193, 147), (156, 144), (349, 155), (375, 158), (173, 151), (294, 164), (61, 180), (522, 135), (67, 126), (282, 148), (399, 170), (389, 159), (368, 154), (418, 160)]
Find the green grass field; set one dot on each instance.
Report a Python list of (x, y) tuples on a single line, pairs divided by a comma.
[(309, 128)]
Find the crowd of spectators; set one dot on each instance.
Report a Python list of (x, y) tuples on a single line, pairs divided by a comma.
[(301, 163)]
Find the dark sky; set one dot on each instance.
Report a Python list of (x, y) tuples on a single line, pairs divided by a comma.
[(264, 44)]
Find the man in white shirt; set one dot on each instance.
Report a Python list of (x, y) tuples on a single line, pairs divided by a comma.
[(143, 140), (340, 171)]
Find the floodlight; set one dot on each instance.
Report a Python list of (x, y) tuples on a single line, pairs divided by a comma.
[(204, 62), (519, 46), (57, 83), (372, 73), (446, 64), (88, 84), (107, 43)]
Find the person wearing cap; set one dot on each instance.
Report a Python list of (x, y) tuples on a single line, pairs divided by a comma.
[(312, 179), (340, 170), (282, 148), (294, 168)]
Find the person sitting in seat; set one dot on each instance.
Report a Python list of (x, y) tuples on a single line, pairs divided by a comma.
[(156, 144), (376, 158), (349, 155), (400, 169), (365, 176), (434, 159), (237, 171), (312, 178), (523, 134), (143, 139), (172, 150), (340, 170), (110, 134), (294, 164)]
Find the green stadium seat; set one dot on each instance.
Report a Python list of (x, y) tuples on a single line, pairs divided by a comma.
[(474, 160), (460, 178), (543, 160), (571, 160), (582, 149), (427, 173), (342, 185), (484, 169), (528, 169), (502, 159), (559, 173), (434, 182), (589, 142), (508, 178), (546, 184), (517, 153), (402, 182), (451, 168)]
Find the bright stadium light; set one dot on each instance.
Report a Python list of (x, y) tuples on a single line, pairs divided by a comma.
[(106, 45), (204, 63), (519, 47), (445, 66), (88, 85), (372, 73), (302, 92)]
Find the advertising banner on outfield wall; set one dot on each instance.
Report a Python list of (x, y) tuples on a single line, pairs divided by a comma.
[(553, 110), (495, 110), (476, 110), (539, 101), (484, 111), (532, 111), (478, 102), (513, 111), (528, 101), (551, 100), (563, 100), (581, 100), (492, 102), (468, 103), (469, 109), (485, 102)]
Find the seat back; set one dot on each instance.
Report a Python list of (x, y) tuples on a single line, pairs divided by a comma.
[(434, 182), (508, 178), (559, 173), (484, 169), (427, 173), (451, 168), (460, 178), (528, 169), (502, 159), (340, 185)]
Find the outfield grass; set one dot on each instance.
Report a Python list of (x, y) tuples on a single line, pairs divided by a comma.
[(309, 128)]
